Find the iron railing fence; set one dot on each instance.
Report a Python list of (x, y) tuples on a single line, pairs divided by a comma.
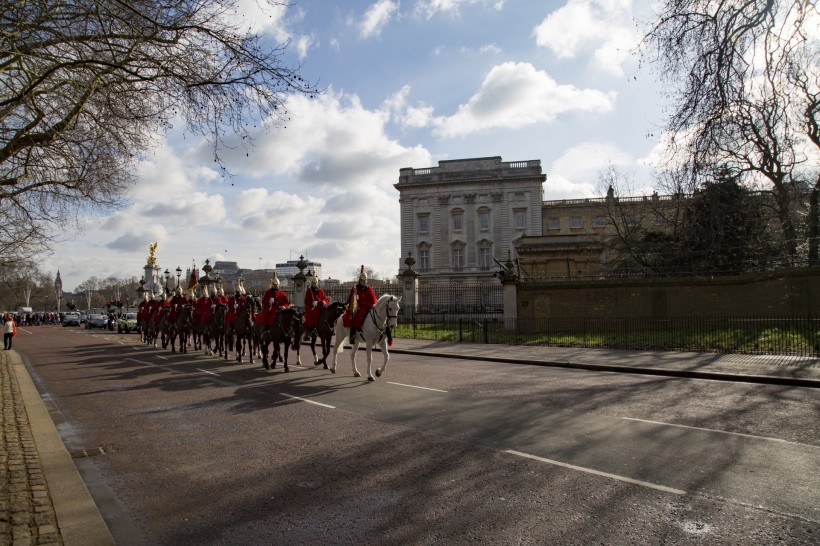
[(798, 336), (461, 298)]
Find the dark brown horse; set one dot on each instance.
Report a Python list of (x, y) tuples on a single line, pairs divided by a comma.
[(286, 329), (324, 330), (217, 331), (181, 326), (243, 329)]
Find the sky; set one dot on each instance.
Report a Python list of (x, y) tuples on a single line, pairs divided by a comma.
[(406, 83)]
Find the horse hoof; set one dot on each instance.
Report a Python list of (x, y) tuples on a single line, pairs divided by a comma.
[(332, 370), (378, 373), (370, 378), (357, 374)]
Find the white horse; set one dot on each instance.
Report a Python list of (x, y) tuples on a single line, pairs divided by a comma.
[(375, 330)]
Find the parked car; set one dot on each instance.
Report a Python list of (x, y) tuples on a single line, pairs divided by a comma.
[(127, 323), (96, 321), (71, 319)]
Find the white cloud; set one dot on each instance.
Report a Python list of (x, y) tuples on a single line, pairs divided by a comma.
[(377, 16), (429, 8), (514, 95), (581, 165), (602, 27)]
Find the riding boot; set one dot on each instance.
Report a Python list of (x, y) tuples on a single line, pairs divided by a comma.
[(353, 334)]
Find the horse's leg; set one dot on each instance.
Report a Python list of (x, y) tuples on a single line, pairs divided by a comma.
[(287, 346), (313, 348), (383, 345), (370, 361), (353, 351), (338, 344), (251, 349), (326, 341)]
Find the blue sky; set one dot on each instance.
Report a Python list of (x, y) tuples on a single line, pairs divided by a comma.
[(407, 84)]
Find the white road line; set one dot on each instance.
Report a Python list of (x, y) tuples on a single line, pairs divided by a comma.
[(307, 400), (599, 473), (162, 357), (713, 430), (208, 372), (415, 386)]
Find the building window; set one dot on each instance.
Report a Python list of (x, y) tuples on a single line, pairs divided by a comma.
[(576, 222), (520, 218), (424, 223), (456, 199), (484, 197), (484, 258), (423, 201), (458, 221), (553, 223), (458, 258), (424, 259), (483, 220), (598, 221)]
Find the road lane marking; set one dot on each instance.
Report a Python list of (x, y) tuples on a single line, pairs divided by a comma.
[(307, 400), (162, 357), (714, 430), (208, 372), (415, 386), (599, 473)]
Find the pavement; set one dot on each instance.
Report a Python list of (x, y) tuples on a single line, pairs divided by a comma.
[(43, 499)]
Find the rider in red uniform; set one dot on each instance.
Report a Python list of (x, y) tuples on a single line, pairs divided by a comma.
[(360, 300), (176, 303), (273, 300), (142, 310), (204, 307), (315, 300), (234, 302), (221, 298)]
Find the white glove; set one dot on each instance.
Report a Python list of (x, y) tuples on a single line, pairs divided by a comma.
[(315, 303)]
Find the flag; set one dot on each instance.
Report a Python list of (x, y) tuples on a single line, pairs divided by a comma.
[(193, 281)]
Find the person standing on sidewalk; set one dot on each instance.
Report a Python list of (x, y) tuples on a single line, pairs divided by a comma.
[(9, 331)]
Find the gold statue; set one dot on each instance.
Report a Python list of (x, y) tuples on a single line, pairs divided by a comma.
[(152, 258)]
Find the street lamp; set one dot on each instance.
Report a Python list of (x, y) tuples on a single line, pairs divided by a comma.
[(179, 273), (167, 278)]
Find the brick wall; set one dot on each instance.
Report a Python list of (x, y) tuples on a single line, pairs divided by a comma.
[(783, 293)]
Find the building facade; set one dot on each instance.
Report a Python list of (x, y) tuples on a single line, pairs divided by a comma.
[(461, 217)]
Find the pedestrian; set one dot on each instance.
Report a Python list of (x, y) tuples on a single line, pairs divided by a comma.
[(9, 331)]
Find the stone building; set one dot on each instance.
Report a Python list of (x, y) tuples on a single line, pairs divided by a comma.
[(461, 217)]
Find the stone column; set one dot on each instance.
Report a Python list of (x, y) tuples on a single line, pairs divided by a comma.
[(152, 278), (299, 285), (409, 280)]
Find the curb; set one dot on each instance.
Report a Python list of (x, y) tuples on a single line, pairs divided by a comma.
[(689, 374), (78, 518)]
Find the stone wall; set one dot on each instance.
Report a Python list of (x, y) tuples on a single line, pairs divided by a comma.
[(781, 293)]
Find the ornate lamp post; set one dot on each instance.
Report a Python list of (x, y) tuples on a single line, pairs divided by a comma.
[(167, 277), (179, 274)]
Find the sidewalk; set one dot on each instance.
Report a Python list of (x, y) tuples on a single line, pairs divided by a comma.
[(43, 499), (769, 369)]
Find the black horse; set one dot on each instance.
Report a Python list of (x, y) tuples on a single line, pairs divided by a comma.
[(287, 329), (181, 326), (324, 328), (217, 331), (243, 329)]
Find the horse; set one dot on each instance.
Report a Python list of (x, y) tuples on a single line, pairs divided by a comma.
[(181, 326), (286, 329), (324, 330), (376, 329), (217, 330), (243, 329)]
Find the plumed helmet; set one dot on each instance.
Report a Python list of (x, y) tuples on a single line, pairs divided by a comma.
[(221, 290), (205, 290), (241, 286), (362, 276), (178, 290), (153, 296), (145, 296), (314, 281), (168, 296), (274, 281)]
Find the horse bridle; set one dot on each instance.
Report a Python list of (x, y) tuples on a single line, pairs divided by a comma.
[(389, 316)]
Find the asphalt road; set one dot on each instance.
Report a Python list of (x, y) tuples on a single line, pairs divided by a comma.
[(188, 449)]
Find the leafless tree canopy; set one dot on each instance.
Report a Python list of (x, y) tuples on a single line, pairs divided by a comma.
[(85, 87), (744, 78)]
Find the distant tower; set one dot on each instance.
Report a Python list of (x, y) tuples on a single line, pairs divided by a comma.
[(58, 289)]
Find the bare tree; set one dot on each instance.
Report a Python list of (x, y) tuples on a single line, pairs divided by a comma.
[(744, 84), (86, 86)]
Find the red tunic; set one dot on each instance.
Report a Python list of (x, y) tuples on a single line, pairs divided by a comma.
[(272, 301), (315, 299), (204, 310), (176, 305), (233, 307), (366, 298), (143, 310)]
